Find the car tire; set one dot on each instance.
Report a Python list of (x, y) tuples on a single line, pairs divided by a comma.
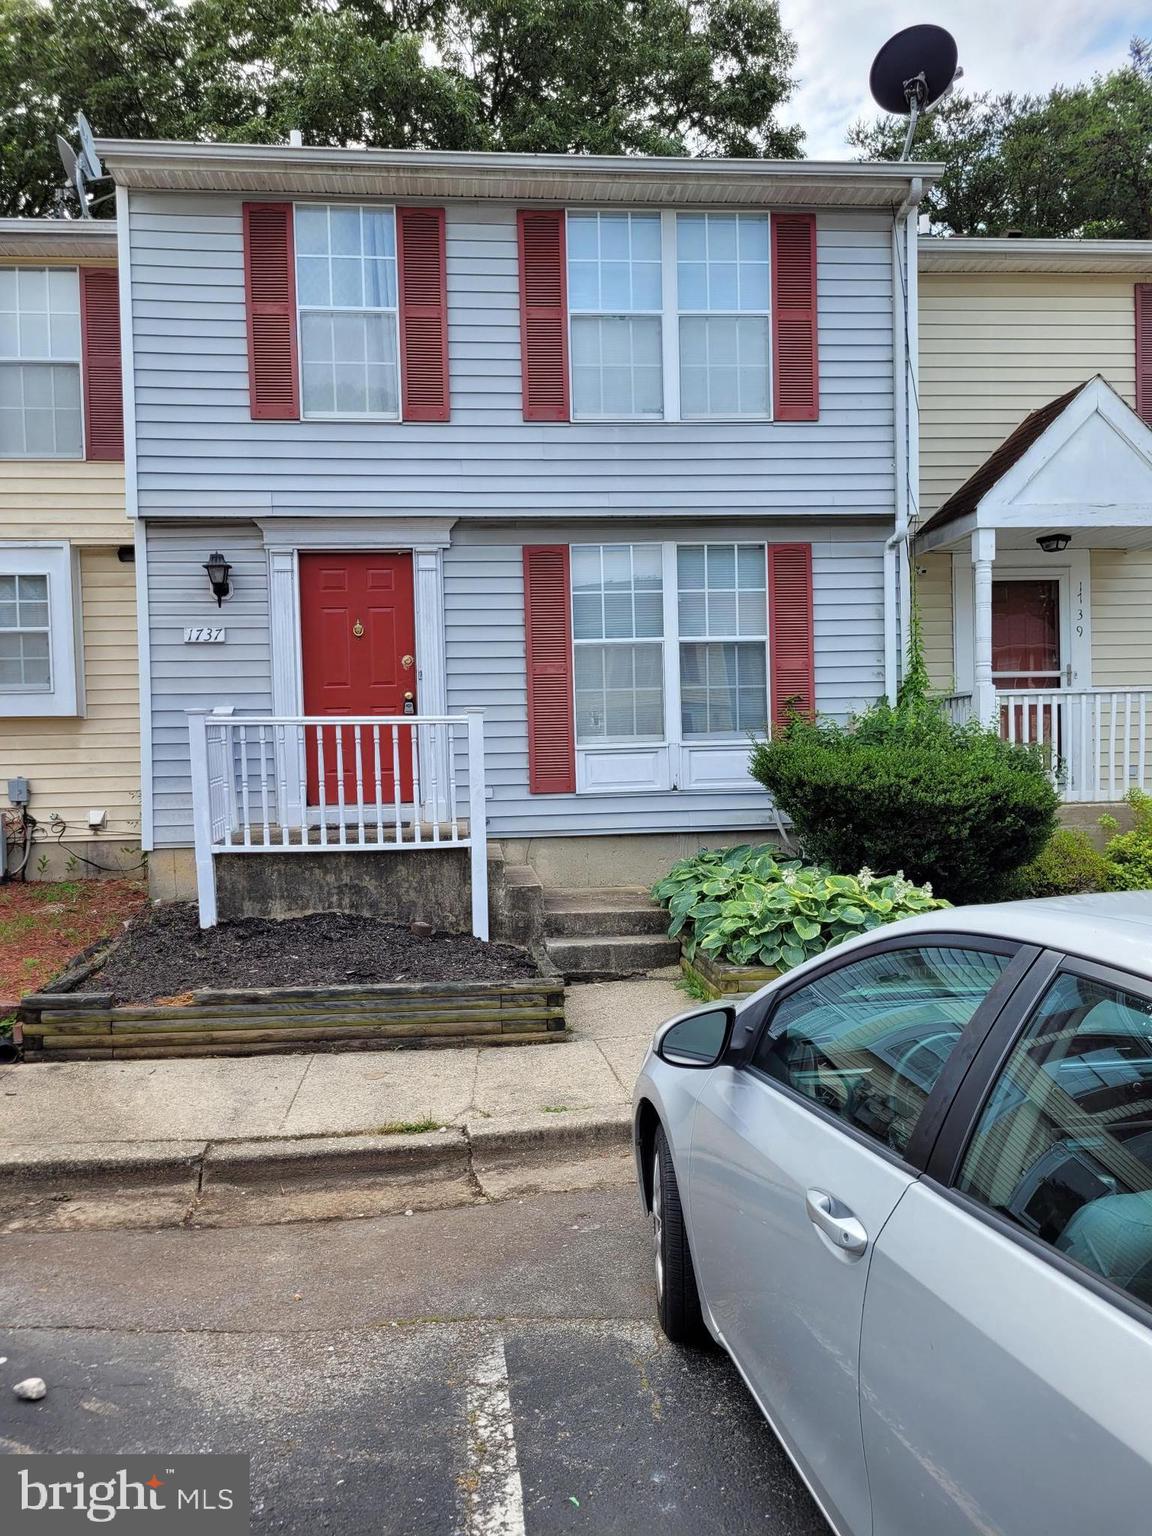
[(677, 1298)]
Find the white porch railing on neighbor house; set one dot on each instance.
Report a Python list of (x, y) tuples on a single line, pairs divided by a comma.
[(1096, 739), (309, 784)]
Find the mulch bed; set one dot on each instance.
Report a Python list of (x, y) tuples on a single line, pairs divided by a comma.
[(166, 954), (43, 925)]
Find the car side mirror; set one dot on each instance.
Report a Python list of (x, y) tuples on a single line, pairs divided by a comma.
[(697, 1039)]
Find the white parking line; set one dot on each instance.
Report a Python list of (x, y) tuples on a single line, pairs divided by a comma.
[(495, 1496)]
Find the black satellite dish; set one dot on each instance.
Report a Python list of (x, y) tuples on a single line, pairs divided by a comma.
[(913, 72)]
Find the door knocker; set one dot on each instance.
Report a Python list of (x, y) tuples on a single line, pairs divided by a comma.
[(406, 662), (357, 629)]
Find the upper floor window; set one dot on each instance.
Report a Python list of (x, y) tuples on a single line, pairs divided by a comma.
[(40, 408), (346, 294), (669, 315)]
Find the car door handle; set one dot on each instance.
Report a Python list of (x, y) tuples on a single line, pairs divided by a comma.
[(836, 1222)]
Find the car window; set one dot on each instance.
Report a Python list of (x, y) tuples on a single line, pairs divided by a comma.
[(869, 1040), (1064, 1146)]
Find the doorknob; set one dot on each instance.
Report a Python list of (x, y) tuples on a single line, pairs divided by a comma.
[(836, 1222)]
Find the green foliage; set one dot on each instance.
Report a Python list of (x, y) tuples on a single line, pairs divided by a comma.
[(950, 805), (1072, 162), (568, 76), (1128, 855), (743, 906), (1068, 865)]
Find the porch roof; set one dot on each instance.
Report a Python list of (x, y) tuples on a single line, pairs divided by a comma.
[(1081, 464)]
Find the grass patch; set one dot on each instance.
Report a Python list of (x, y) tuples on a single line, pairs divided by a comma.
[(693, 987), (407, 1127), (555, 1109)]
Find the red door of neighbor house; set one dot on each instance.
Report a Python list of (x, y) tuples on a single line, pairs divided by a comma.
[(358, 643), (1026, 654)]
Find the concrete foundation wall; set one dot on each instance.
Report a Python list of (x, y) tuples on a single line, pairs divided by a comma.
[(431, 886), (580, 863)]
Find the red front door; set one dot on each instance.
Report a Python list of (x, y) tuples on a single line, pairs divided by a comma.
[(358, 639), (1026, 654)]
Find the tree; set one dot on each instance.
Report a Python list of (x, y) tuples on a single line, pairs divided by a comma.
[(1073, 162), (581, 76)]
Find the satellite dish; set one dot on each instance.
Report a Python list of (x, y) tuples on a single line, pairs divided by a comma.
[(89, 159), (913, 72), (75, 173)]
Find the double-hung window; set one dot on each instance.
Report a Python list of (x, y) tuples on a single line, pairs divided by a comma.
[(615, 301), (40, 407), (346, 295), (670, 663), (618, 640), (723, 600), (669, 316), (40, 672)]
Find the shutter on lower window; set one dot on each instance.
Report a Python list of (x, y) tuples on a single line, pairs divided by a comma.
[(270, 296), (103, 385), (423, 313), (795, 361), (1144, 352), (790, 631), (543, 314), (548, 640)]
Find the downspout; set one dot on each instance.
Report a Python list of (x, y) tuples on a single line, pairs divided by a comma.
[(906, 436)]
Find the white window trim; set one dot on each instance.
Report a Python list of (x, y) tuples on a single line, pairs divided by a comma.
[(692, 763), (48, 362), (65, 696), (346, 309), (669, 315)]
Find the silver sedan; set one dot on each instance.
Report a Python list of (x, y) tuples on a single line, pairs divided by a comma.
[(908, 1187)]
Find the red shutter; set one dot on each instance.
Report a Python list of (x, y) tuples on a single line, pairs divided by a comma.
[(548, 639), (1144, 352), (270, 295), (423, 313), (795, 363), (543, 314), (790, 641), (103, 385)]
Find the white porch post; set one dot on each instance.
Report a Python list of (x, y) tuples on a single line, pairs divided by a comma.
[(478, 823), (202, 816), (984, 690)]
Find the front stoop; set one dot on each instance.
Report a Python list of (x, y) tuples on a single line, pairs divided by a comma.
[(595, 935)]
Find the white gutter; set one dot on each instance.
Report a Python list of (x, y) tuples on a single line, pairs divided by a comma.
[(906, 436)]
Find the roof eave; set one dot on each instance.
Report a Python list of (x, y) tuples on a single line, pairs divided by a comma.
[(78, 238), (292, 171), (959, 253)]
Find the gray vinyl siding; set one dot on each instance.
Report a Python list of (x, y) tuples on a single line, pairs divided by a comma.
[(186, 677), (200, 454), (484, 624), (484, 646)]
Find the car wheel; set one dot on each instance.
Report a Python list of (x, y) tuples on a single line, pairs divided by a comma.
[(677, 1299)]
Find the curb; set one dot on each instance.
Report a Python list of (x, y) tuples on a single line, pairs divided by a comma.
[(111, 1167)]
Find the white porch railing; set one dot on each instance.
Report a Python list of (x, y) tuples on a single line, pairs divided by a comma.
[(1096, 739), (307, 784)]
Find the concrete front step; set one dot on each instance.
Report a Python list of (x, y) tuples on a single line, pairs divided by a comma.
[(609, 913), (596, 957)]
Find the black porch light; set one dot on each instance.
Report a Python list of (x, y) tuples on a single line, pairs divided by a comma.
[(218, 573), (1054, 543)]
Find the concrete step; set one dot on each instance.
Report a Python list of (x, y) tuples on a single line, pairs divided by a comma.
[(597, 957), (610, 912)]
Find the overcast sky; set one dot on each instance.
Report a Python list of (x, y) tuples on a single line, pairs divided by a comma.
[(1023, 45)]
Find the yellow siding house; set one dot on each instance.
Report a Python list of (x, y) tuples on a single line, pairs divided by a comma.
[(1033, 554), (69, 717)]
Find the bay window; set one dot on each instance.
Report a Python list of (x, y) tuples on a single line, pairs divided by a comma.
[(670, 663), (669, 316), (40, 407), (348, 312)]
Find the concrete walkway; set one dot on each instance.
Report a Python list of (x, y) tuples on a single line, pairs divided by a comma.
[(371, 1092)]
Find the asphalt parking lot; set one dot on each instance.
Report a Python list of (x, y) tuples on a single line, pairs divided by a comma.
[(482, 1371)]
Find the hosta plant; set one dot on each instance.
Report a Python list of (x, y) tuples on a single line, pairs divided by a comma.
[(745, 907)]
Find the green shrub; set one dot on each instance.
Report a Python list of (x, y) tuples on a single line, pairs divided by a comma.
[(1068, 865), (743, 906), (950, 805), (1128, 855)]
